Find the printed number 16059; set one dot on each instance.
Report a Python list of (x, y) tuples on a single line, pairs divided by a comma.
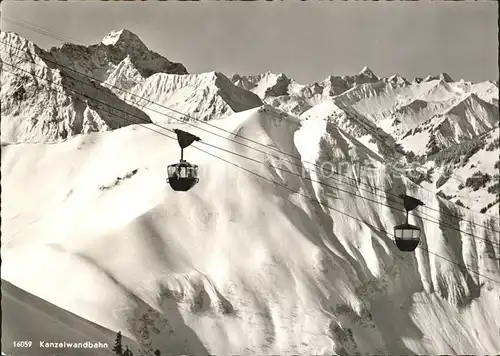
[(23, 343)]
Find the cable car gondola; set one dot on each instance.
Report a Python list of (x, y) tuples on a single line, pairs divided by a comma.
[(407, 236), (183, 176)]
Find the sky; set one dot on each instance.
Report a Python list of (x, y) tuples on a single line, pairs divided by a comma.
[(305, 40)]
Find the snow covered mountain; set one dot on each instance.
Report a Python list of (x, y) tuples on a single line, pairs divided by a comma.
[(468, 173), (130, 70), (43, 102), (175, 98), (397, 118), (463, 120), (51, 95), (435, 111), (101, 60), (283, 247), (286, 94)]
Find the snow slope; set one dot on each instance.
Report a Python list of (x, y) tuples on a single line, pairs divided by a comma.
[(204, 96), (350, 120), (239, 265), (452, 112), (29, 318), (460, 184), (453, 109)]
